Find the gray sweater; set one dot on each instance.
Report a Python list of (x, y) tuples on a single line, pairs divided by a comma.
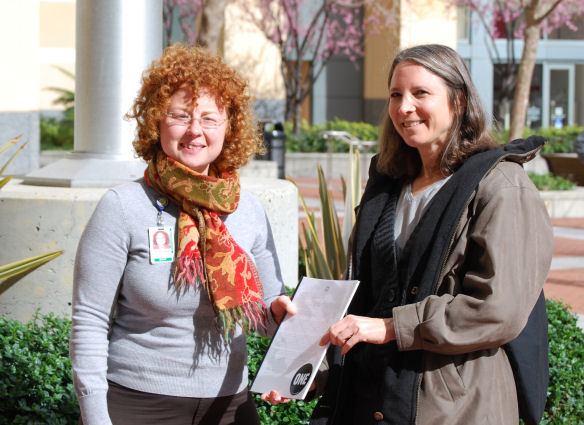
[(160, 341)]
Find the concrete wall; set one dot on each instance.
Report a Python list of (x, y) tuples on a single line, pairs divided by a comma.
[(564, 203), (333, 165), (37, 220)]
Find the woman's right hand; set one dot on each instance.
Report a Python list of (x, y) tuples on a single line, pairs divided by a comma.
[(354, 329), (281, 306)]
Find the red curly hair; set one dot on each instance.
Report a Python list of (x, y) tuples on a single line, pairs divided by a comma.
[(196, 68)]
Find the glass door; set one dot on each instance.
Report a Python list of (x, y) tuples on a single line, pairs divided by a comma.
[(558, 95)]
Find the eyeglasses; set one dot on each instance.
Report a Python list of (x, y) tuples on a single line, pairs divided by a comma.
[(186, 119)]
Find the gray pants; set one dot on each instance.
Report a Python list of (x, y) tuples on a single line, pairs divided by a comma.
[(131, 407)]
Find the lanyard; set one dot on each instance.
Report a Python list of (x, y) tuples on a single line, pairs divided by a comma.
[(160, 204)]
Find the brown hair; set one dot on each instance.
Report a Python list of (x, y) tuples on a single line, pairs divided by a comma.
[(196, 68), (468, 133)]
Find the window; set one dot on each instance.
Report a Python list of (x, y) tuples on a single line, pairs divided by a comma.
[(503, 102), (565, 33)]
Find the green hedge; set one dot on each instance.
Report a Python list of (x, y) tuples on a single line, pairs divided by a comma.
[(311, 139), (57, 134), (565, 402), (36, 385), (550, 182), (560, 140), (35, 373)]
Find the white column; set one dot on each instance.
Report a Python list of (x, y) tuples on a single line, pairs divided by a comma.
[(116, 40)]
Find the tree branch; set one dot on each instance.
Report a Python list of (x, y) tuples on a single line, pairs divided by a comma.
[(546, 14)]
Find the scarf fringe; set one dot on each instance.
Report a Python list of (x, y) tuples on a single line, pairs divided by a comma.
[(249, 316), (189, 272)]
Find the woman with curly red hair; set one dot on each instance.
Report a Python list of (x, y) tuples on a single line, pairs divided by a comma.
[(159, 335)]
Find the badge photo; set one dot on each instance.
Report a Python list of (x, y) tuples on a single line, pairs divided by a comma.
[(161, 241)]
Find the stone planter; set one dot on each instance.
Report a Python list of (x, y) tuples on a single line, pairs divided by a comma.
[(564, 203), (566, 165)]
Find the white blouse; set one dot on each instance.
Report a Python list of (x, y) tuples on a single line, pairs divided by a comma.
[(410, 209)]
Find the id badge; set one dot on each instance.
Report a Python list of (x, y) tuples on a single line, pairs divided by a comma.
[(161, 241)]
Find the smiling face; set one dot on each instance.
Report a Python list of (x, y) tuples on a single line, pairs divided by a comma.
[(420, 109), (190, 144)]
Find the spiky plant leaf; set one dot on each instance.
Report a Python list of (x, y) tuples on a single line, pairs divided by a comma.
[(4, 181), (22, 266), (5, 149)]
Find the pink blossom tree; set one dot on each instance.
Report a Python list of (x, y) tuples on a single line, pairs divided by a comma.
[(309, 33), (527, 20), (187, 13)]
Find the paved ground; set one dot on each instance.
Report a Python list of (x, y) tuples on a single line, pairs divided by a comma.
[(566, 278)]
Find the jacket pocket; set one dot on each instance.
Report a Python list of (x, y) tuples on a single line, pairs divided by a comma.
[(451, 379)]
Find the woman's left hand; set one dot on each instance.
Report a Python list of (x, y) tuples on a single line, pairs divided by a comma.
[(280, 306), (354, 329)]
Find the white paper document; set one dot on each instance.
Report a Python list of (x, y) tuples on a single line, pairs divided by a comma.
[(294, 354)]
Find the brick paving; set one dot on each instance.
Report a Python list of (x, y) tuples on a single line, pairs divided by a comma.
[(566, 278)]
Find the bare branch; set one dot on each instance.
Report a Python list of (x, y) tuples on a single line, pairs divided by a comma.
[(547, 13)]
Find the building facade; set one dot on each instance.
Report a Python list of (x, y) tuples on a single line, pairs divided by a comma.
[(557, 87), (38, 38)]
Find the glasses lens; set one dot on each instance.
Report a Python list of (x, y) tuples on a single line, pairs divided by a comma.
[(206, 122), (179, 118), (209, 122)]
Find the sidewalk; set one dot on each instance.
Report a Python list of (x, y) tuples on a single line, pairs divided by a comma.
[(566, 278)]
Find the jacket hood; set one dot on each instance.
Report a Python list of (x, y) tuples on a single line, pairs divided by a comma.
[(524, 150)]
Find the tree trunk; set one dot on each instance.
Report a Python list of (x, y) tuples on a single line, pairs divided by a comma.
[(521, 98), (168, 19), (213, 25), (297, 115)]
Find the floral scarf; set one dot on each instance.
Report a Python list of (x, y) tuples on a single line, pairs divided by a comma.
[(207, 254)]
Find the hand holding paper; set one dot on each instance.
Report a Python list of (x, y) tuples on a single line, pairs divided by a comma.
[(295, 353), (354, 329)]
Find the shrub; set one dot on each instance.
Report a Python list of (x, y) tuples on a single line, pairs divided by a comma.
[(311, 139), (57, 134), (35, 373), (565, 401), (36, 383), (560, 140), (550, 182)]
